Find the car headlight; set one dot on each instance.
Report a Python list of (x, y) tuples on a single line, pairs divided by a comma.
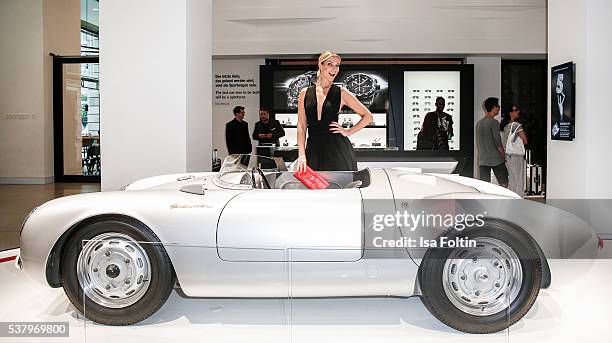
[(26, 219)]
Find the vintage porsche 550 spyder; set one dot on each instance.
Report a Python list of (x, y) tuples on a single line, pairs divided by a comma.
[(253, 230)]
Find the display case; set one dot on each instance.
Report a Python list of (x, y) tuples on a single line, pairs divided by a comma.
[(372, 136), (421, 89)]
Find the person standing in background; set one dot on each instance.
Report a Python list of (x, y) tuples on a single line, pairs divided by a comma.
[(237, 136), (491, 153), (514, 163), (266, 130), (437, 127)]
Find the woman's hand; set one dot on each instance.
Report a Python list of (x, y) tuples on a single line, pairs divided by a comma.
[(300, 164), (337, 128)]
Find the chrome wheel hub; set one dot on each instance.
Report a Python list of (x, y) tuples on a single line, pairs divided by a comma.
[(484, 280), (113, 270)]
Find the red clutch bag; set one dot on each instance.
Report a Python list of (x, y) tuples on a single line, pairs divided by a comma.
[(311, 179)]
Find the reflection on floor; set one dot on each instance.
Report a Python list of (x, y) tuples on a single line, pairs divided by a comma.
[(16, 201), (577, 307)]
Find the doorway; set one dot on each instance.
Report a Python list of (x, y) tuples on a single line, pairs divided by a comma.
[(76, 118), (525, 84)]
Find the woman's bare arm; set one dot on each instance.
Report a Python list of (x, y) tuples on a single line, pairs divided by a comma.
[(523, 137), (301, 133), (301, 124)]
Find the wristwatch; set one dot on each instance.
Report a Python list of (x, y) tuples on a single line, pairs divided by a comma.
[(364, 87), (296, 85)]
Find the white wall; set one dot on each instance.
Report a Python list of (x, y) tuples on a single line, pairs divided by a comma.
[(598, 88), (155, 90), (21, 90), (580, 169), (487, 83), (198, 97), (29, 31), (579, 31), (247, 27)]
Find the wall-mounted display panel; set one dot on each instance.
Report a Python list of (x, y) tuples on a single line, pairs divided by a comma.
[(369, 86), (562, 119)]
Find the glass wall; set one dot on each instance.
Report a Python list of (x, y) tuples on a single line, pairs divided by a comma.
[(90, 44)]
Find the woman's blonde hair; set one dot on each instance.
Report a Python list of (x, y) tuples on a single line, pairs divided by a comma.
[(324, 57)]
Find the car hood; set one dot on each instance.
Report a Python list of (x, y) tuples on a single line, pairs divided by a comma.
[(172, 181)]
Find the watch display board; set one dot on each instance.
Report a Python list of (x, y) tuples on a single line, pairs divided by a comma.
[(287, 87), (370, 87), (421, 88)]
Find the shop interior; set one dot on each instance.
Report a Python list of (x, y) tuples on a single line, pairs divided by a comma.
[(108, 93)]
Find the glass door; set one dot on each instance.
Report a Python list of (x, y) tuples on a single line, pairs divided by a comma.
[(76, 118)]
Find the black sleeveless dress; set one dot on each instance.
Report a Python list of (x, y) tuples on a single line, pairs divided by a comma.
[(326, 150)]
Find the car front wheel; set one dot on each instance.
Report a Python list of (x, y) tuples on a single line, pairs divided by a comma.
[(116, 272)]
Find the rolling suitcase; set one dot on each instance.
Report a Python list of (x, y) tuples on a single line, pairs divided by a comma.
[(533, 176), (533, 180)]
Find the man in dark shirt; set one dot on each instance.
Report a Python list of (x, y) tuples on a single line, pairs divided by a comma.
[(266, 130), (237, 134), (437, 128)]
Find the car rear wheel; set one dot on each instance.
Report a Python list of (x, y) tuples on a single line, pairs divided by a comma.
[(116, 272), (483, 289)]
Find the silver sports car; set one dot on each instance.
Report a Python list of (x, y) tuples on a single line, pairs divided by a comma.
[(253, 230)]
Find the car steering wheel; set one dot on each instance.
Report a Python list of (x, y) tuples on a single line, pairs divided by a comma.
[(260, 172)]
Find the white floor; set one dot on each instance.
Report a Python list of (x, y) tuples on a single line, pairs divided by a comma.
[(577, 308)]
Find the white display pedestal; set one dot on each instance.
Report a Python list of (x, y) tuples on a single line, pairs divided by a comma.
[(577, 307)]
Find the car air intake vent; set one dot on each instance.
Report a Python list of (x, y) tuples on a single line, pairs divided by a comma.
[(193, 188)]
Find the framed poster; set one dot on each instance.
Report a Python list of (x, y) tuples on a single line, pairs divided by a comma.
[(563, 116)]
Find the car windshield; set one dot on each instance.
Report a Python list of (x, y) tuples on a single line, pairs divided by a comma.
[(236, 170)]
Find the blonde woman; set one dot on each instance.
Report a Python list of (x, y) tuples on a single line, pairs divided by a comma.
[(328, 147)]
